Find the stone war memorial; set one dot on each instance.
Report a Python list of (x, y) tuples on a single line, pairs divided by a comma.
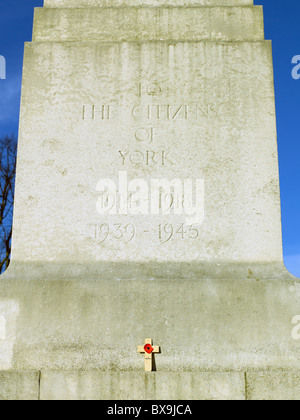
[(147, 254)]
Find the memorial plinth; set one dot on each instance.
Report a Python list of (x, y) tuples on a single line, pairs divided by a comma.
[(127, 95)]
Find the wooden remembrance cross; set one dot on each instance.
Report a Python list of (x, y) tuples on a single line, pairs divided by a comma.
[(149, 350)]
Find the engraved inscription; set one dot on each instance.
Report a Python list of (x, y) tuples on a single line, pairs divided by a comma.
[(93, 112), (151, 89), (120, 232), (168, 231), (148, 115), (128, 232), (153, 112), (148, 158), (145, 134), (174, 112)]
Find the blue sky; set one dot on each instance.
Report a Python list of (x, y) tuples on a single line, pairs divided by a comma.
[(281, 26)]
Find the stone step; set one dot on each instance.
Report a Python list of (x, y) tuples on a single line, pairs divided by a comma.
[(99, 385), (51, 385), (144, 24), (150, 3)]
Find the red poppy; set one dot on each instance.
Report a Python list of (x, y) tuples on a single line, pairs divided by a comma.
[(148, 348)]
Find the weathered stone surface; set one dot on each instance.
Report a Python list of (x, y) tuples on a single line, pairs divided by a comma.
[(136, 3), (97, 385), (237, 320), (21, 386), (73, 148), (140, 24), (273, 386)]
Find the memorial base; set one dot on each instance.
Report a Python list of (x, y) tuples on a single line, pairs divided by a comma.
[(225, 331)]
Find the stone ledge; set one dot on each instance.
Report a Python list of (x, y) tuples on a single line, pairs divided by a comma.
[(150, 3), (140, 24)]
